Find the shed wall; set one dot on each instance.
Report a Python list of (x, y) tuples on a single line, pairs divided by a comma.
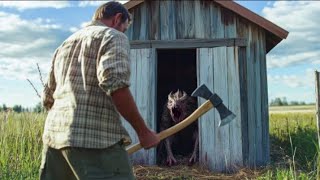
[(143, 75), (170, 20)]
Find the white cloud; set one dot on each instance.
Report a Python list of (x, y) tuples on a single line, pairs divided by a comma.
[(24, 43), (94, 3), (295, 87), (293, 80), (73, 29), (13, 22), (279, 60), (90, 3), (300, 18), (23, 5), (82, 25)]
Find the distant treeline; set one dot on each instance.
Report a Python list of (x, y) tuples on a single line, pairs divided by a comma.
[(38, 108), (18, 108), (283, 102)]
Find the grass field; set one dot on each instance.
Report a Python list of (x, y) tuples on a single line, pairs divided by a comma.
[(293, 150), (292, 109)]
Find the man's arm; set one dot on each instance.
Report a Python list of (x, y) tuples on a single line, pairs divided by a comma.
[(126, 106), (113, 73)]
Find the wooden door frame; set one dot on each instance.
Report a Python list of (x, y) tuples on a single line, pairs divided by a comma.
[(188, 43)]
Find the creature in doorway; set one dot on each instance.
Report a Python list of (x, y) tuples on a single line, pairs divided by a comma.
[(178, 107)]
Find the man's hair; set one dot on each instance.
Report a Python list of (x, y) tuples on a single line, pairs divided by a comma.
[(110, 9)]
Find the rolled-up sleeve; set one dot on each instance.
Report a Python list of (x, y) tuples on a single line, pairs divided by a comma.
[(113, 70)]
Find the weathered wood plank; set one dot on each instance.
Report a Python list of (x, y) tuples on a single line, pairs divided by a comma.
[(234, 93), (229, 21), (133, 77), (202, 19), (185, 19), (136, 25), (172, 21), (193, 43), (251, 100), (264, 100), (179, 19), (221, 88), (257, 84), (129, 32), (217, 27), (244, 104), (154, 12), (234, 105), (145, 103), (167, 20), (153, 66), (199, 19), (188, 43), (242, 31), (144, 22), (189, 19), (140, 44), (143, 90), (207, 126)]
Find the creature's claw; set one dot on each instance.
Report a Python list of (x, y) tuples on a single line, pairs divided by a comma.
[(193, 159), (171, 160)]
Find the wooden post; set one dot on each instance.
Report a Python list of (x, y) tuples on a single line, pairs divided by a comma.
[(317, 74), (318, 103)]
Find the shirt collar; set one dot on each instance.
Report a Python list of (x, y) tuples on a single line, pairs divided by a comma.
[(95, 23)]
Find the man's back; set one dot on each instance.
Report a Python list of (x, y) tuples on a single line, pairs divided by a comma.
[(83, 115), (87, 89)]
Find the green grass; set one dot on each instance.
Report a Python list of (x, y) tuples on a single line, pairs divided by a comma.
[(20, 142), (292, 136), (291, 109), (294, 147)]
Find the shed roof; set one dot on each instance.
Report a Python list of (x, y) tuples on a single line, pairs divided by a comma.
[(278, 33)]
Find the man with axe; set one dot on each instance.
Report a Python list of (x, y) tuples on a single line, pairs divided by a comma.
[(87, 86)]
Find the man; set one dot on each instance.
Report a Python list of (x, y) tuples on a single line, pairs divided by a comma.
[(87, 87)]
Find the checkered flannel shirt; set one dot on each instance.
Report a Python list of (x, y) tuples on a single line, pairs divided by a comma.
[(87, 67)]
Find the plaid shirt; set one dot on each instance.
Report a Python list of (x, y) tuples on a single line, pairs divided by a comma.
[(85, 70)]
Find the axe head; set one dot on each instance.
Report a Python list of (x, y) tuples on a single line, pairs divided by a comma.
[(226, 115)]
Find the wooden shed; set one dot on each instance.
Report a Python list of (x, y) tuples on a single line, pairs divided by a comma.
[(183, 44)]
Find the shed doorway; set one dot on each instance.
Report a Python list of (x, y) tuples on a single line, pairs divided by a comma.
[(176, 70)]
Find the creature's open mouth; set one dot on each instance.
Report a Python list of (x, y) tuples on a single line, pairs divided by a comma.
[(176, 113)]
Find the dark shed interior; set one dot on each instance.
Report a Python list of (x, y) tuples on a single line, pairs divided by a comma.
[(176, 69)]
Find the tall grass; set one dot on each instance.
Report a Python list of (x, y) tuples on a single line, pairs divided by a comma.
[(21, 145), (294, 147), (293, 140)]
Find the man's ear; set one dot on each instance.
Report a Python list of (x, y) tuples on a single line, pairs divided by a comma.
[(117, 18)]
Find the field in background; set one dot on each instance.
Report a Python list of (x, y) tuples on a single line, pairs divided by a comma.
[(293, 109), (292, 136)]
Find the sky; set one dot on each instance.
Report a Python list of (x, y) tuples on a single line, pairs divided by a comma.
[(30, 31)]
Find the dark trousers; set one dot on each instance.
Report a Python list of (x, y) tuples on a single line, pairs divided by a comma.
[(86, 164)]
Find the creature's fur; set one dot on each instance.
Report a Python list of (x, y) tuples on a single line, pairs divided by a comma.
[(185, 137)]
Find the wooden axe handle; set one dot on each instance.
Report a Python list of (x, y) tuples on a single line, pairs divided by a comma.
[(178, 127)]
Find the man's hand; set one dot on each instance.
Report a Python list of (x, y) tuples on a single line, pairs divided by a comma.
[(148, 139)]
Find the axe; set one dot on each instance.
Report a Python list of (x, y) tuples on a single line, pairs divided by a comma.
[(213, 100)]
